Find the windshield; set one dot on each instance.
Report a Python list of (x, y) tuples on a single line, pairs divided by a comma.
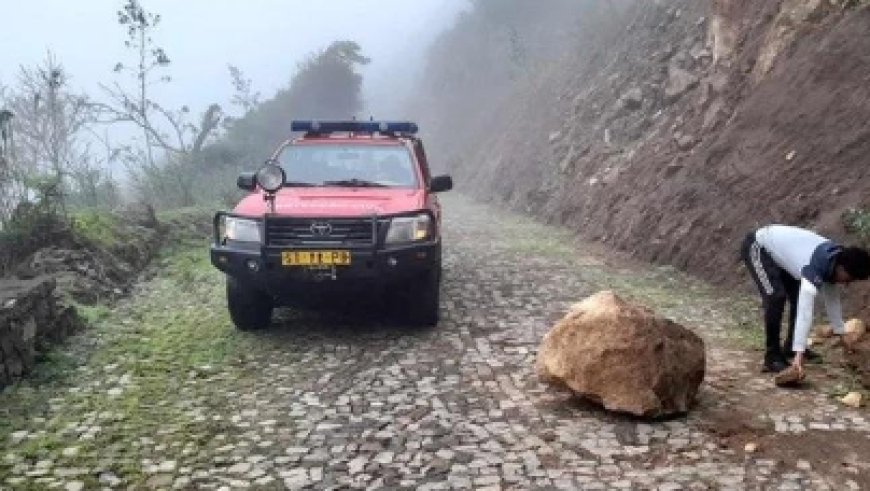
[(348, 165)]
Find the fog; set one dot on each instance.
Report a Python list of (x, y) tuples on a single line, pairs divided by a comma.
[(264, 38)]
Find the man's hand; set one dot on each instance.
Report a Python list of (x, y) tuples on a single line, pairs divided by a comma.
[(798, 364)]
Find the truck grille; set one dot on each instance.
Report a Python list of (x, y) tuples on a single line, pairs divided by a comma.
[(307, 231)]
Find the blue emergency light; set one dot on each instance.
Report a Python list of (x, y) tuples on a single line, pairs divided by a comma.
[(321, 127)]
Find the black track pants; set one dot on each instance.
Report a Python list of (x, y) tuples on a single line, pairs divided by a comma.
[(776, 286)]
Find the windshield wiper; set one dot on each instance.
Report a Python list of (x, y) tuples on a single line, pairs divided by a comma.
[(356, 183), (298, 184)]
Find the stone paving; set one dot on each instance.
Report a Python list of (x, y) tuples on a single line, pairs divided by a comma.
[(324, 401)]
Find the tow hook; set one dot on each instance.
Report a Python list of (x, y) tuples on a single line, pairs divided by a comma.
[(323, 274)]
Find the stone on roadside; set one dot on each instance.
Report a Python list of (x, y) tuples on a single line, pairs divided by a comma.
[(750, 448), (852, 399), (788, 377), (74, 486), (18, 436), (240, 468), (624, 357), (855, 329), (159, 481)]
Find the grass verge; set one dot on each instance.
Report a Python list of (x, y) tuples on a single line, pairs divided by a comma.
[(103, 403)]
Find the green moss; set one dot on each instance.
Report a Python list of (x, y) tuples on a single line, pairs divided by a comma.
[(159, 343), (857, 222), (97, 226)]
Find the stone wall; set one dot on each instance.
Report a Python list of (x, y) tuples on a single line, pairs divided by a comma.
[(31, 316)]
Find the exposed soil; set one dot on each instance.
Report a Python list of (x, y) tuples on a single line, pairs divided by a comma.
[(694, 124)]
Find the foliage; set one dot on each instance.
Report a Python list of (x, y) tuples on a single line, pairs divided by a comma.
[(96, 226), (857, 221), (31, 225), (162, 167), (244, 96), (326, 85)]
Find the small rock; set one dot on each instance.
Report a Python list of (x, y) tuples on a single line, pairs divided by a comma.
[(750, 447), (18, 436), (74, 486), (356, 465), (790, 156), (856, 327), (264, 481), (159, 481), (110, 479), (852, 399), (70, 451), (168, 466), (789, 377), (384, 458), (240, 468)]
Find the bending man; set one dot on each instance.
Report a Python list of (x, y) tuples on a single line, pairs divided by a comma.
[(796, 265)]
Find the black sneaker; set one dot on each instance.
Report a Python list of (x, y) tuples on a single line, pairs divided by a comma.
[(775, 365), (810, 356)]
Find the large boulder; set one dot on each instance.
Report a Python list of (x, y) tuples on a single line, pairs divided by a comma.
[(624, 357)]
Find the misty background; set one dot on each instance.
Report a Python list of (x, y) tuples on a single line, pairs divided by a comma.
[(161, 104), (266, 39)]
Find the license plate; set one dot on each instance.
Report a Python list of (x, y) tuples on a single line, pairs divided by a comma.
[(315, 258)]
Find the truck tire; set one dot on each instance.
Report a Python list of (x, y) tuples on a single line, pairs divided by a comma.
[(250, 309), (423, 306)]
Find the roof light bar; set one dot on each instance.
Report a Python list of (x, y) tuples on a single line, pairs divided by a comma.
[(355, 126)]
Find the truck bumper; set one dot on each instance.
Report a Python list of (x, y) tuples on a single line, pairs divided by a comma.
[(261, 268)]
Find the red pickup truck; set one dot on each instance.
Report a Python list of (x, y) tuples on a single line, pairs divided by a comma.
[(349, 206)]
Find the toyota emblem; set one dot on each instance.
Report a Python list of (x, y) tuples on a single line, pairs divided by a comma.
[(321, 229)]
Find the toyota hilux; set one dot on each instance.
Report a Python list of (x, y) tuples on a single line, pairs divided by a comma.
[(345, 207)]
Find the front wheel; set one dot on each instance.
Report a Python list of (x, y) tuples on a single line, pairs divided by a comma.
[(250, 309), (425, 293)]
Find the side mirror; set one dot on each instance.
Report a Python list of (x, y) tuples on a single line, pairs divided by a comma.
[(440, 184), (247, 181)]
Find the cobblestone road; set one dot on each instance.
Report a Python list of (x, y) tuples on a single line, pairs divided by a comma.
[(325, 402)]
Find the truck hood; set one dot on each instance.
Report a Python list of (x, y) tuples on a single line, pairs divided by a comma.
[(334, 202)]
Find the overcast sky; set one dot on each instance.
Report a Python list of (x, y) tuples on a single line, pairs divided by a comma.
[(265, 38)]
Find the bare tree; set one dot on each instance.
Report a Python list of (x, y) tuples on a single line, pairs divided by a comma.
[(49, 125), (244, 96), (162, 128), (7, 192)]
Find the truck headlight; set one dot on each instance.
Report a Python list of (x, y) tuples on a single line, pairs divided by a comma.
[(242, 230), (409, 229)]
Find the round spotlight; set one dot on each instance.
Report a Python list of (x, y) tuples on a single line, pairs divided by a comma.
[(271, 178), (315, 126), (384, 127)]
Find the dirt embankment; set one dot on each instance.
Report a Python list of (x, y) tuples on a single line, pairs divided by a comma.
[(93, 260), (690, 125)]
